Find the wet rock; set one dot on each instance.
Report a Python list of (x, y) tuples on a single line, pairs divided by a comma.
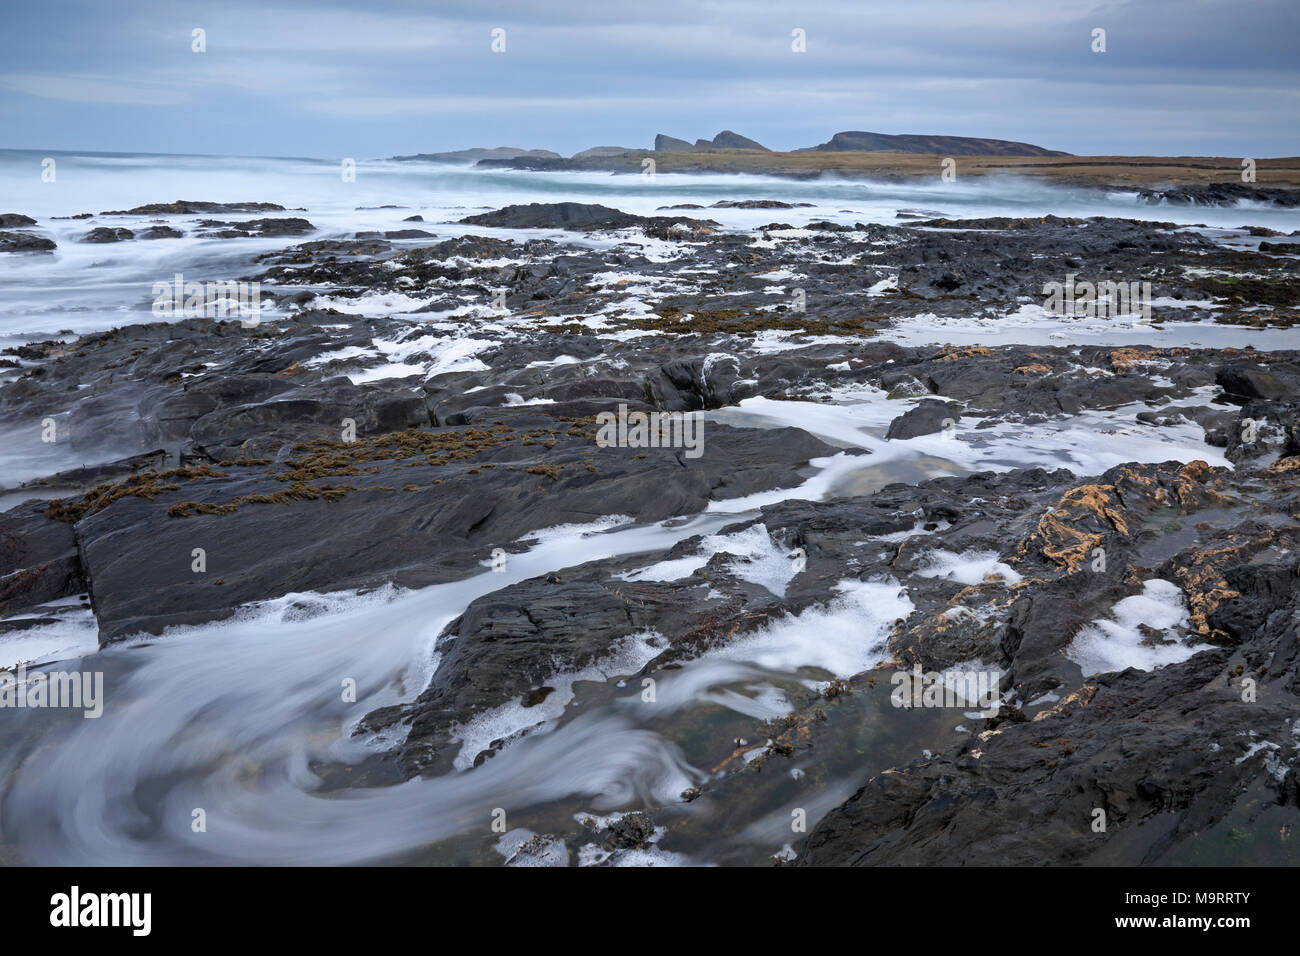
[(160, 232), (107, 234), (578, 216), (1167, 754), (38, 560), (902, 385), (186, 207), (1221, 194), (631, 831), (297, 414), (926, 418), (1253, 382), (438, 499), (25, 242), (566, 215), (1264, 428), (262, 228), (754, 204)]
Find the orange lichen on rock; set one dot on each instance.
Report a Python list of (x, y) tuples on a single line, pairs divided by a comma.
[(1087, 514), (1093, 500), (1121, 360), (1203, 579), (958, 354), (1036, 368), (1189, 490), (1061, 542), (1081, 697)]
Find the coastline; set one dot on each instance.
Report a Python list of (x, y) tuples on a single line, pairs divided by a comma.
[(1114, 172)]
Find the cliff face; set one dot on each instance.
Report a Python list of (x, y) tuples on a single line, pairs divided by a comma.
[(670, 144), (727, 139)]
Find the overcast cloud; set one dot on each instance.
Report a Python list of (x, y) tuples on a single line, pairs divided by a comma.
[(375, 78)]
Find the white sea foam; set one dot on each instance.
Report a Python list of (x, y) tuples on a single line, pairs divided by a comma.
[(523, 847), (1032, 324), (503, 722), (759, 560), (72, 633), (844, 637), (969, 567), (1087, 443), (1119, 642)]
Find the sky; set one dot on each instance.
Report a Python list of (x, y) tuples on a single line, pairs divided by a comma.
[(375, 78)]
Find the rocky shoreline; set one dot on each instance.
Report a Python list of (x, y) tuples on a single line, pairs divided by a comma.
[(975, 486)]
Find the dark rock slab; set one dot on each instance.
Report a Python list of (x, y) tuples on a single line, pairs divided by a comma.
[(186, 207), (38, 559), (1246, 381), (377, 520), (25, 242), (575, 216), (926, 418)]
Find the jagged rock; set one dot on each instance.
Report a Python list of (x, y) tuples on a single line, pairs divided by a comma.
[(670, 144), (729, 140)]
